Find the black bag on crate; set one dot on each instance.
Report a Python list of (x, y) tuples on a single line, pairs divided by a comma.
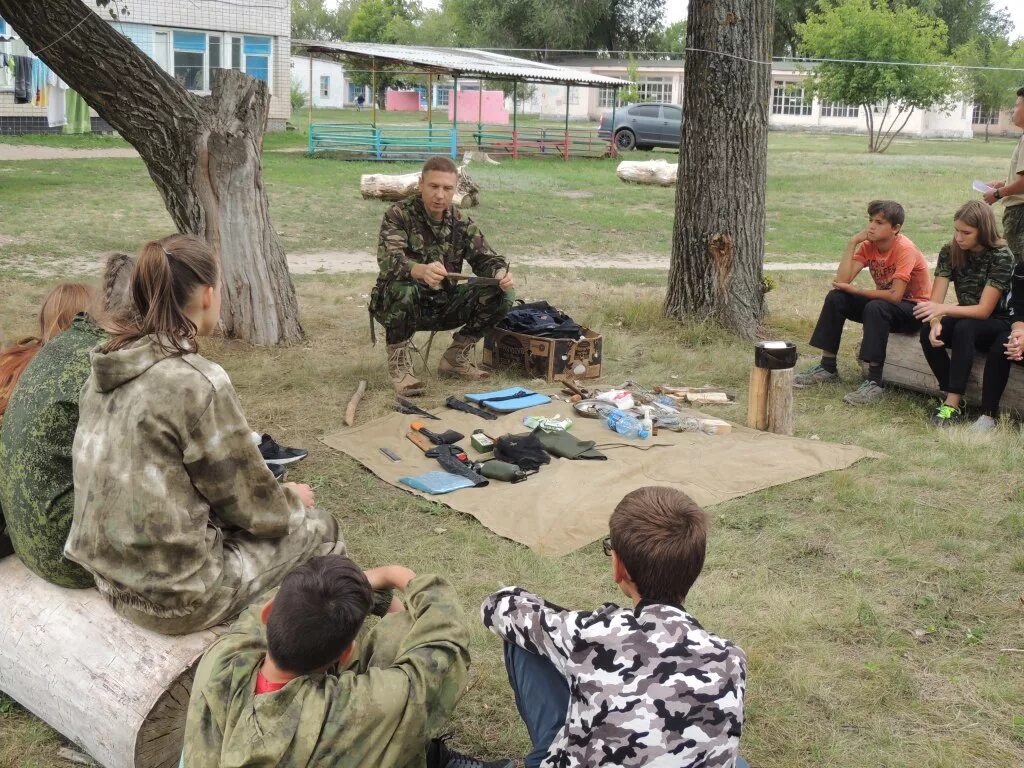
[(538, 318)]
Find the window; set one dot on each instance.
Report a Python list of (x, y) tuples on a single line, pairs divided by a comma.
[(214, 56), (672, 113), (257, 57), (655, 89), (606, 98), (981, 116), (574, 96), (443, 97), (325, 86), (789, 99), (647, 110), (190, 59), (236, 53), (838, 109), (3, 27)]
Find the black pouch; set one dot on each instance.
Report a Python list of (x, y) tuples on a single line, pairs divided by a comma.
[(524, 450)]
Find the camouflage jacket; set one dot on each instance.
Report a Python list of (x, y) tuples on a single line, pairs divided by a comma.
[(409, 236), (993, 266), (165, 470), (36, 485), (649, 686), (379, 711)]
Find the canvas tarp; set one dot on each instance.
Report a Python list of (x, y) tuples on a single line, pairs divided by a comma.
[(566, 505)]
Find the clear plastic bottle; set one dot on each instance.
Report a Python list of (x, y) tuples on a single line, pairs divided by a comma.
[(627, 424)]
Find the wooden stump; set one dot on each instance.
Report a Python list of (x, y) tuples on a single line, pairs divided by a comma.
[(396, 187), (657, 172), (757, 398), (780, 402), (906, 367), (118, 691)]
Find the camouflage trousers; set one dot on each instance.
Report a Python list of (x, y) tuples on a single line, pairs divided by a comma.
[(252, 567), (1013, 230), (405, 306)]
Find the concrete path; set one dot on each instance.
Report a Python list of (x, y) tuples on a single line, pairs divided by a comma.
[(39, 152)]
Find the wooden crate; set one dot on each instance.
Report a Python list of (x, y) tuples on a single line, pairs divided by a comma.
[(543, 358)]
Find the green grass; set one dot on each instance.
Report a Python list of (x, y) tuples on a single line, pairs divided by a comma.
[(874, 603)]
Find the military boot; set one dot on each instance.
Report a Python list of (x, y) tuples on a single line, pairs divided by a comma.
[(457, 360), (400, 370)]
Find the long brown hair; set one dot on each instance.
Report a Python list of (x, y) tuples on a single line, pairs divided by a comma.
[(166, 274), (59, 308), (975, 213)]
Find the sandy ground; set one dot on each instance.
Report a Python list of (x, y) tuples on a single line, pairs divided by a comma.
[(35, 152)]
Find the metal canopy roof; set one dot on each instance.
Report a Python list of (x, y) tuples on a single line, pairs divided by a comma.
[(460, 62)]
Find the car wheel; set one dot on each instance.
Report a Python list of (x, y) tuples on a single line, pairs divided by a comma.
[(625, 140)]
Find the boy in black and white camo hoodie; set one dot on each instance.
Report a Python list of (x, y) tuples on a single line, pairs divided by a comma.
[(642, 686)]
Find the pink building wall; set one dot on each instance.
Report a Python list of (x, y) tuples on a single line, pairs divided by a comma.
[(402, 101), (494, 112)]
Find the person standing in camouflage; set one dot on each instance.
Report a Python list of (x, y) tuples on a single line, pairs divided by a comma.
[(1011, 191), (421, 240)]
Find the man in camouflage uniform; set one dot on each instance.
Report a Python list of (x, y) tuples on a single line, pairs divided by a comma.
[(291, 684), (36, 484), (650, 686), (421, 240)]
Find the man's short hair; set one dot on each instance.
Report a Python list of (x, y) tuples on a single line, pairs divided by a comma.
[(317, 613), (439, 163), (660, 535), (1020, 92), (891, 211)]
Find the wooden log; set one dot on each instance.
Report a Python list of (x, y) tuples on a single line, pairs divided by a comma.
[(906, 367), (350, 409), (117, 691), (396, 187), (757, 398), (780, 401), (656, 172)]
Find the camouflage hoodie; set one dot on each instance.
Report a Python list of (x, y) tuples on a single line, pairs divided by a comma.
[(648, 686), (164, 467)]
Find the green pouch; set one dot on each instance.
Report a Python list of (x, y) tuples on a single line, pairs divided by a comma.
[(563, 445)]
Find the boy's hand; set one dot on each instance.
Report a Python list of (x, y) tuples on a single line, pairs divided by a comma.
[(1015, 346), (390, 577), (433, 273), (860, 237), (844, 287), (304, 491)]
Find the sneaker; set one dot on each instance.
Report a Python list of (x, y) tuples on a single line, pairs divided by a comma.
[(945, 416), (278, 454), (279, 472), (984, 424), (866, 393), (816, 375), (440, 755)]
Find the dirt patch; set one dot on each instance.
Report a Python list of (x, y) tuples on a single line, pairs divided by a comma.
[(7, 240), (36, 152)]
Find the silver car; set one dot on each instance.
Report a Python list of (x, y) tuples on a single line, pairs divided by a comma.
[(643, 126)]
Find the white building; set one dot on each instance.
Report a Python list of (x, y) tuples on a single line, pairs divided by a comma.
[(189, 40), (331, 87)]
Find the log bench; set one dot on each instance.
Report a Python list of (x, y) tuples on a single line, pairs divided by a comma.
[(118, 691), (906, 367)]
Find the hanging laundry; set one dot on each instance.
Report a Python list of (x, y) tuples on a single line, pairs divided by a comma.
[(78, 119), (56, 105), (6, 70), (39, 73), (23, 80)]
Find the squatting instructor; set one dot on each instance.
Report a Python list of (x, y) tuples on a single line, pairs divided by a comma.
[(421, 240)]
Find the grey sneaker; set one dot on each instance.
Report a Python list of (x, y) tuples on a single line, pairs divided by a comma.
[(815, 375), (984, 424), (866, 393)]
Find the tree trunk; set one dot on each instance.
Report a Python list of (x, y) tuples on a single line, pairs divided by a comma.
[(718, 237), (203, 153)]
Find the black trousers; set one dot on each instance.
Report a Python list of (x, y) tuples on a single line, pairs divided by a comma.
[(879, 318), (997, 373), (963, 337)]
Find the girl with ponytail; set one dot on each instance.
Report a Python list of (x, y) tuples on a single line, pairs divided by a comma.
[(176, 514)]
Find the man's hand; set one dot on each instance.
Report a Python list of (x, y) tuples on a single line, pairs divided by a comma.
[(506, 283), (990, 197), (304, 491), (432, 274), (390, 577), (845, 287), (933, 336), (1015, 346), (996, 184), (926, 310)]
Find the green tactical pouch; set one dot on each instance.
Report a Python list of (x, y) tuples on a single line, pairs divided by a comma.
[(564, 446)]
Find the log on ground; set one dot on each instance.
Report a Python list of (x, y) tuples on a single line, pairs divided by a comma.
[(657, 172), (117, 691), (397, 187)]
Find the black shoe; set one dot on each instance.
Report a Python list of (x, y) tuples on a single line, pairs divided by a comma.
[(440, 755), (279, 471), (278, 454)]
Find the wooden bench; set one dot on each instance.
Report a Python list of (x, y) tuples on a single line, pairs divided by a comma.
[(906, 367), (118, 691)]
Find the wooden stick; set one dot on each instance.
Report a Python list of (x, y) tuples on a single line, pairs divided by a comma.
[(757, 399), (780, 401), (350, 410)]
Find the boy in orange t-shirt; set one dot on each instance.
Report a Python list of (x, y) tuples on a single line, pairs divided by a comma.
[(901, 279)]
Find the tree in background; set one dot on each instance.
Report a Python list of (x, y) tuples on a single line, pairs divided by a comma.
[(861, 30), (673, 40), (313, 20), (718, 234), (991, 89), (630, 94), (789, 15), (382, 21)]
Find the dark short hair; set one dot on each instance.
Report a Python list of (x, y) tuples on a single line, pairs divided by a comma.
[(439, 163), (1020, 92), (317, 613), (891, 211), (660, 535)]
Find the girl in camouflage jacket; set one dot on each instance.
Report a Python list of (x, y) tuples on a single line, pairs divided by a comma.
[(176, 514)]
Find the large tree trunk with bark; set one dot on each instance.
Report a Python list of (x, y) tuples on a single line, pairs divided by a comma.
[(718, 238), (203, 153)]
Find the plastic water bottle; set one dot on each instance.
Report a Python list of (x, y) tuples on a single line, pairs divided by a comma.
[(666, 400), (626, 424)]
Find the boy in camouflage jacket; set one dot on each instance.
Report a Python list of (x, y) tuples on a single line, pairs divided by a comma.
[(630, 687)]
